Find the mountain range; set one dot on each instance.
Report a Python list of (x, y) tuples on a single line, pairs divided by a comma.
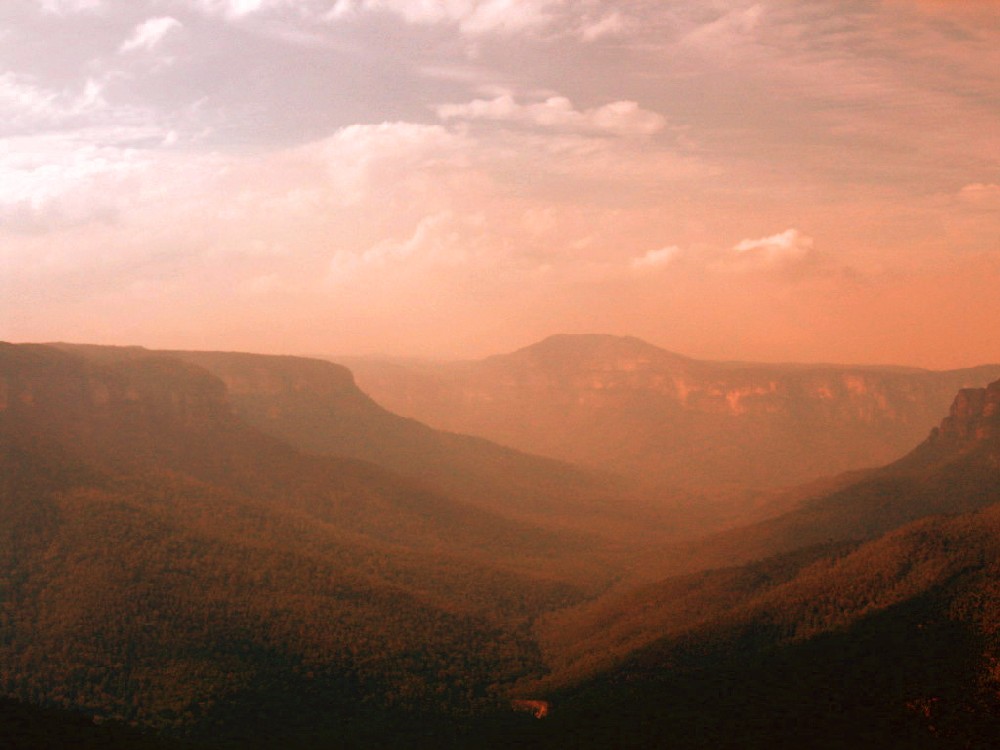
[(166, 564), (887, 634), (234, 550), (622, 405)]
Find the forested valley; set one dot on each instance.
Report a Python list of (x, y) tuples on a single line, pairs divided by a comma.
[(209, 550)]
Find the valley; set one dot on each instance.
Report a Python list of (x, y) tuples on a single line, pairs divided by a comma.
[(622, 405), (499, 375), (220, 547)]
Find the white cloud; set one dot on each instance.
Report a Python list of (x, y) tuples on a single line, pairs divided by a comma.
[(441, 239), (245, 7), (239, 8), (149, 34), (557, 112), (781, 250), (471, 16), (26, 107), (586, 21), (505, 16), (655, 259), (50, 182), (20, 99), (66, 7), (361, 158), (727, 30)]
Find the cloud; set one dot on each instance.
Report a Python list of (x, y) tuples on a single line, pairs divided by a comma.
[(239, 8), (48, 183), (364, 158), (25, 106), (473, 17), (655, 259), (441, 239), (557, 112), (726, 31), (67, 7), (584, 21), (20, 99), (778, 251), (149, 34)]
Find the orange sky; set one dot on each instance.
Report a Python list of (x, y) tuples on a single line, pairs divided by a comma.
[(812, 181)]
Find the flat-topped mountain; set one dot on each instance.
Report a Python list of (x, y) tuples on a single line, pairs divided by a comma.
[(621, 404), (315, 406), (162, 562)]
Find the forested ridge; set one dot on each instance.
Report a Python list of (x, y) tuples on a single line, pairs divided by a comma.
[(163, 564), (172, 575)]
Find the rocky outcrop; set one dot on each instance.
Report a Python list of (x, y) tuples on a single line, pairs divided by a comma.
[(975, 414)]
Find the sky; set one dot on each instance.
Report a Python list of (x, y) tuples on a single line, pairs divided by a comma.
[(796, 180)]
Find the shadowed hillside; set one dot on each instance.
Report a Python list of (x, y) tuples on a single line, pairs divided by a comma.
[(955, 470), (163, 563), (891, 645), (180, 576), (891, 642)]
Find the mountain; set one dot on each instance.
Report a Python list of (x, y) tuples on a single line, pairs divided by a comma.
[(890, 639), (181, 575), (892, 644), (955, 470), (316, 407), (165, 564), (157, 412), (623, 405)]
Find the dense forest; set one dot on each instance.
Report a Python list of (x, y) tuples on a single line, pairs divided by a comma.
[(205, 550)]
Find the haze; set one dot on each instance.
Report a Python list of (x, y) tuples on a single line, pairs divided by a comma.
[(813, 181)]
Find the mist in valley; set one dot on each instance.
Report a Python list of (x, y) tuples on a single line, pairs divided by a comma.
[(378, 373)]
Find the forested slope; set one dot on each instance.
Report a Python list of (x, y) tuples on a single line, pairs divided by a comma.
[(165, 564)]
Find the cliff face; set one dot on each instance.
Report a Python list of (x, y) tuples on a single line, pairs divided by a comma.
[(975, 414), (627, 406), (162, 561), (259, 374), (315, 407), (130, 415), (46, 387)]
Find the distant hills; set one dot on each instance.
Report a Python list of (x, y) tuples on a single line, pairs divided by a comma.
[(885, 634), (623, 405), (212, 550)]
